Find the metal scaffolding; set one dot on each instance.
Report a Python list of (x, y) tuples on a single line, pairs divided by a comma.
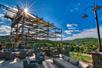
[(26, 28)]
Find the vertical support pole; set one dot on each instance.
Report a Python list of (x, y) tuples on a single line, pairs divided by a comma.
[(11, 39), (61, 37), (97, 26), (17, 35), (37, 32), (98, 30), (55, 34), (22, 33), (48, 31)]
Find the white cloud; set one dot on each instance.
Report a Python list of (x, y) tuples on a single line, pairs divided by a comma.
[(2, 18), (1, 15), (1, 22), (71, 25), (4, 30), (71, 28), (71, 31), (68, 31), (59, 35), (88, 33)]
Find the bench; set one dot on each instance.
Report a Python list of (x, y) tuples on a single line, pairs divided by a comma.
[(61, 63), (30, 65)]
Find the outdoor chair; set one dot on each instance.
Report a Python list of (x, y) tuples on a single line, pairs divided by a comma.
[(12, 56), (7, 56), (22, 55), (1, 55), (30, 64)]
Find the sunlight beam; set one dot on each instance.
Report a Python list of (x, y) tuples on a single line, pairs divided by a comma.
[(26, 10)]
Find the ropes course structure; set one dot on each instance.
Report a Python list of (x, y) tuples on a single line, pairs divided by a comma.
[(26, 27)]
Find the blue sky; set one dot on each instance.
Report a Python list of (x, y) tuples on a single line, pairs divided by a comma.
[(65, 14)]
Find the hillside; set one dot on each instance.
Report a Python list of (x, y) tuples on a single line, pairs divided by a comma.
[(4, 38), (85, 45)]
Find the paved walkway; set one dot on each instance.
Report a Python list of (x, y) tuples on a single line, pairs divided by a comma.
[(48, 64), (65, 63), (9, 64)]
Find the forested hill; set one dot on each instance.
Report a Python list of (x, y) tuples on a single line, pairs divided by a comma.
[(4, 38), (83, 41), (86, 45)]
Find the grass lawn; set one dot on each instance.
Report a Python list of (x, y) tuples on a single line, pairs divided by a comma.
[(81, 56)]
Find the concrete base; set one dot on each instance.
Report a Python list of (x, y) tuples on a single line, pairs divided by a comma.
[(97, 59)]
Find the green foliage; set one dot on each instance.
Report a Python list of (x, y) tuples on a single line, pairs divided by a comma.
[(81, 57), (85, 45), (4, 39)]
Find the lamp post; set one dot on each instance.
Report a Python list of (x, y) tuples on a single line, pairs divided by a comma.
[(96, 56), (98, 30), (95, 8)]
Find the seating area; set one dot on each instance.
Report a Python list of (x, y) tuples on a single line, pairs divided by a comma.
[(33, 64), (8, 54), (27, 57)]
